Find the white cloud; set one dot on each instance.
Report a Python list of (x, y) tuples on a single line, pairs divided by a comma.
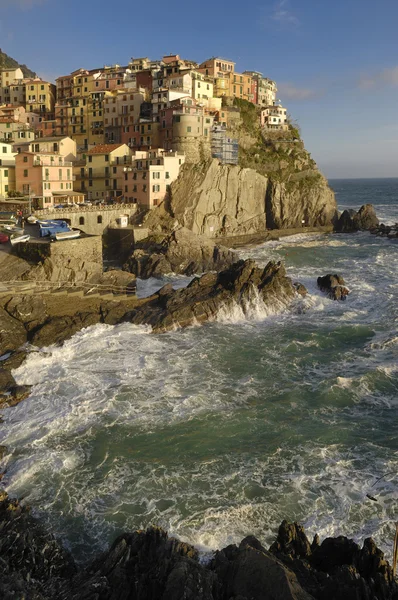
[(386, 77), (289, 91), (283, 16)]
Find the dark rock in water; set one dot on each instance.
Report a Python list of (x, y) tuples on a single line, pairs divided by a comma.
[(180, 252), (300, 288), (334, 286), (390, 231), (242, 284), (56, 329), (350, 220)]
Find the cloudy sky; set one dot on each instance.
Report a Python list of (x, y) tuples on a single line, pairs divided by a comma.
[(335, 62)]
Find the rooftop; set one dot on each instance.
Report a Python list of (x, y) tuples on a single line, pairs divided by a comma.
[(104, 148)]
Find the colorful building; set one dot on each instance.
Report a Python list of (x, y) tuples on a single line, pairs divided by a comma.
[(97, 176), (7, 169), (43, 176), (274, 117), (146, 176)]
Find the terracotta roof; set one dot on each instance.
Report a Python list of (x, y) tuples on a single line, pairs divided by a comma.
[(104, 148)]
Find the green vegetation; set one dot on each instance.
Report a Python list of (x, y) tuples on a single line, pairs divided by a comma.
[(6, 62), (278, 155)]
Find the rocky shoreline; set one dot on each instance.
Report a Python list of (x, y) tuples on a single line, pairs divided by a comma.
[(149, 565)]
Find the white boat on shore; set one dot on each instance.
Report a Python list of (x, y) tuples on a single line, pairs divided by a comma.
[(66, 235), (19, 239)]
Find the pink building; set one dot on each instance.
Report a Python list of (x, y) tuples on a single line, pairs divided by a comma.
[(146, 177), (43, 176)]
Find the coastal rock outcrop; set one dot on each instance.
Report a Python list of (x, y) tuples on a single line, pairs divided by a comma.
[(334, 286), (150, 565), (180, 252), (364, 219), (243, 285), (218, 200)]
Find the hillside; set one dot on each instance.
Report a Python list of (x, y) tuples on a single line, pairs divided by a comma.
[(6, 62)]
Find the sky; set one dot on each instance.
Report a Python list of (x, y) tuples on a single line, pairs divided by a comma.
[(335, 61)]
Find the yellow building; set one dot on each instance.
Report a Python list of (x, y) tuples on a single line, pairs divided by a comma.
[(240, 86), (7, 169), (40, 97), (98, 176)]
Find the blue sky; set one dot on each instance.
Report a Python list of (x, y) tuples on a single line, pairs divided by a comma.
[(335, 62)]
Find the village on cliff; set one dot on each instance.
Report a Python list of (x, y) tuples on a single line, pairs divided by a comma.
[(120, 134)]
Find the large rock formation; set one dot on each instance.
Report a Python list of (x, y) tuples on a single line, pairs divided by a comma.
[(179, 252), (149, 565), (243, 284), (363, 219), (219, 200)]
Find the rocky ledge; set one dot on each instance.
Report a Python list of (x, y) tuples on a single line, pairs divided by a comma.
[(180, 252), (149, 565)]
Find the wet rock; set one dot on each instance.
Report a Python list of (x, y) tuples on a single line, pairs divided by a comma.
[(300, 288), (57, 329), (334, 286), (180, 252), (364, 219), (12, 333), (13, 395), (243, 284)]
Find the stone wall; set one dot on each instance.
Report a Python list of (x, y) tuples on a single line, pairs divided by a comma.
[(195, 149), (91, 219), (69, 260)]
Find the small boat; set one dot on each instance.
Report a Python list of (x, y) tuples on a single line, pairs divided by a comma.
[(31, 219), (19, 239), (13, 229), (66, 235)]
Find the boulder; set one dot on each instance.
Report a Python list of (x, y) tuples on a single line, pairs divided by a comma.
[(180, 252), (364, 219), (334, 286)]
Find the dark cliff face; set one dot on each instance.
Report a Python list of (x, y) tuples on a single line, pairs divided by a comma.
[(149, 565)]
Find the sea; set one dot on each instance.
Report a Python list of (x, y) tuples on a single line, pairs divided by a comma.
[(219, 431)]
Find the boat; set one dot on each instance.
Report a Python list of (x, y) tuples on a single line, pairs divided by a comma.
[(32, 219), (66, 235), (13, 229), (19, 239)]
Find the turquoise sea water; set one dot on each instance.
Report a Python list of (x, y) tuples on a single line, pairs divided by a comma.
[(221, 431)]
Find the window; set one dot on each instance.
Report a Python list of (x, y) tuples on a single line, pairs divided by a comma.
[(156, 188), (25, 173), (189, 129), (6, 173), (90, 183), (4, 149), (134, 188), (167, 175), (114, 169), (81, 220), (99, 219), (156, 175), (107, 157), (90, 159), (6, 188), (144, 188)]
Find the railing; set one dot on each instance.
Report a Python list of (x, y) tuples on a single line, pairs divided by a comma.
[(88, 289), (92, 208)]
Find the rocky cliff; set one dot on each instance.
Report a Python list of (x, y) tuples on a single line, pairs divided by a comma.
[(276, 185)]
